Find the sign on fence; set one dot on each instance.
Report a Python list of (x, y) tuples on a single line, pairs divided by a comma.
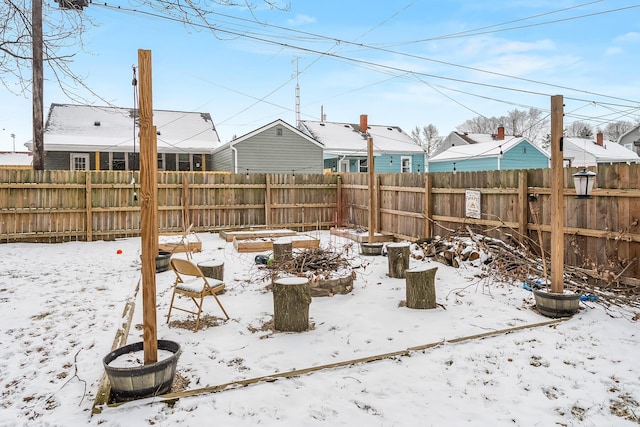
[(472, 203)]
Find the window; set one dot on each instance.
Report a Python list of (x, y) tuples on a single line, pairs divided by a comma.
[(405, 164), (362, 165), (184, 162), (118, 162), (279, 131), (161, 162), (79, 162)]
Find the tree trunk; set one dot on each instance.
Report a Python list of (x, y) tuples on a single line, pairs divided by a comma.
[(398, 254), (213, 269), (421, 289), (291, 299), (282, 251)]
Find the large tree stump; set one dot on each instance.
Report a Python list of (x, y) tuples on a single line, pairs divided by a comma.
[(398, 254), (291, 299), (282, 251), (213, 269), (421, 288)]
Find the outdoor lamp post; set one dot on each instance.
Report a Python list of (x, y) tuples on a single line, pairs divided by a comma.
[(583, 182)]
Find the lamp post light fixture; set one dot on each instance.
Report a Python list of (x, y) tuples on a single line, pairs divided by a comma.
[(583, 182)]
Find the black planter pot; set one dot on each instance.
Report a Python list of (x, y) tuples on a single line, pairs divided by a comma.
[(136, 382), (556, 305), (162, 261)]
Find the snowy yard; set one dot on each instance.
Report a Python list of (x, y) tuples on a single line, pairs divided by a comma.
[(61, 305)]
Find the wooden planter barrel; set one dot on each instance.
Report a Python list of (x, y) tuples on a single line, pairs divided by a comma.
[(291, 299), (136, 382), (555, 305), (371, 248)]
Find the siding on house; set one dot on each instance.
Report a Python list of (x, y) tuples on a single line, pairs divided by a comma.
[(222, 160)]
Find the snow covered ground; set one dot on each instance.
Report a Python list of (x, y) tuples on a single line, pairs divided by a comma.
[(61, 305)]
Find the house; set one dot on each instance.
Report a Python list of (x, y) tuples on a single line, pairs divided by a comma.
[(479, 152), (584, 152), (276, 147), (345, 147), (15, 160), (631, 140), (84, 137)]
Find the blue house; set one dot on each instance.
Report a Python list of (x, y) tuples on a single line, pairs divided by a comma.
[(345, 147), (480, 152)]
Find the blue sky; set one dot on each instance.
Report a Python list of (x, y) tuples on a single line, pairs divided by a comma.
[(405, 63)]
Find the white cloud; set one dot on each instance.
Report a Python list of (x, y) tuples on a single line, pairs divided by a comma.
[(519, 47), (628, 38), (613, 51), (301, 19)]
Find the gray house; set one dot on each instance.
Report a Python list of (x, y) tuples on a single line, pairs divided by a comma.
[(84, 137), (276, 147)]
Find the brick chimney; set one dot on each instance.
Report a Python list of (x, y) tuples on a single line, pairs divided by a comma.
[(500, 136), (363, 123), (599, 139)]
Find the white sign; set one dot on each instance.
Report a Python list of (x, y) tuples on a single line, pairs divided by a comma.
[(472, 203)]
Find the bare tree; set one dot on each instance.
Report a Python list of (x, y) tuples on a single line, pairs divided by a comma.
[(579, 129), (427, 138), (613, 131), (532, 124)]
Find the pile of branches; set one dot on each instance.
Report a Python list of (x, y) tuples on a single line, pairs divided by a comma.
[(508, 261), (319, 262)]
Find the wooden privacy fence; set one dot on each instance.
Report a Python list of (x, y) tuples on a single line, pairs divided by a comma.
[(602, 231)]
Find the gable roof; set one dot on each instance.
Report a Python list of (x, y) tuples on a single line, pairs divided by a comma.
[(346, 138), (278, 122), (587, 152), (482, 146), (85, 127)]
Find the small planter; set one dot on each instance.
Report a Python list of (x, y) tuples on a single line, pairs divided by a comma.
[(136, 382), (162, 261), (555, 305), (371, 249)]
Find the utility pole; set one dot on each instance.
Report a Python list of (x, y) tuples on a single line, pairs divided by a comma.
[(37, 85)]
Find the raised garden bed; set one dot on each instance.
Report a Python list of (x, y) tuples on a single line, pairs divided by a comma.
[(230, 236), (361, 236), (261, 245)]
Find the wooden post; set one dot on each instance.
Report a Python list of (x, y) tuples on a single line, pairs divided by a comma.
[(291, 299), (523, 203), (378, 203), (557, 190), (148, 208), (267, 201), (88, 204), (421, 289), (186, 213), (372, 213), (339, 202), (282, 250), (428, 206), (398, 255)]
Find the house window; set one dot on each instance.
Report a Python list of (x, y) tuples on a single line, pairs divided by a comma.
[(184, 162), (279, 131), (79, 162), (118, 162), (405, 164), (161, 161), (362, 165)]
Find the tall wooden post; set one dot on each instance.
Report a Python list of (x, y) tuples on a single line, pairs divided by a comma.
[(148, 208), (372, 213), (37, 85), (557, 190), (428, 205)]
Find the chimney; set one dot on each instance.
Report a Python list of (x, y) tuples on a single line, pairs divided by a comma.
[(363, 123), (322, 118), (599, 139), (500, 133)]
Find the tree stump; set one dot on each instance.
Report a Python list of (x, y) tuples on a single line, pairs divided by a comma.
[(291, 299), (421, 289), (398, 254), (282, 251), (213, 269)]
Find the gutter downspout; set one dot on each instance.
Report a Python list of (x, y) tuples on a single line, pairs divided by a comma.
[(234, 150)]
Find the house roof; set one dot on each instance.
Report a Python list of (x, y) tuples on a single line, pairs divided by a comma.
[(84, 127), (483, 145), (13, 158), (278, 122), (346, 138), (581, 150)]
